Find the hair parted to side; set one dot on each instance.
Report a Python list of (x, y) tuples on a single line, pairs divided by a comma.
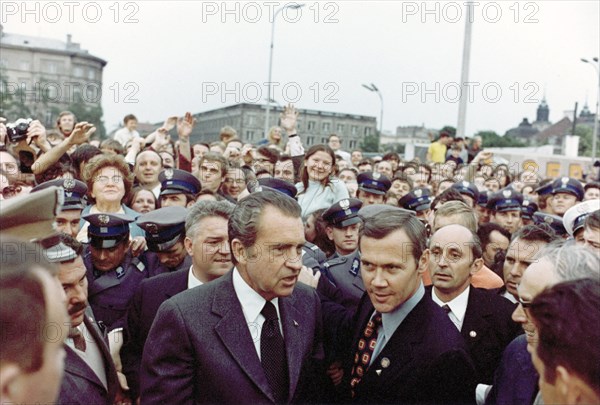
[(386, 222), (205, 209), (567, 317), (245, 221), (22, 303), (466, 214), (536, 233)]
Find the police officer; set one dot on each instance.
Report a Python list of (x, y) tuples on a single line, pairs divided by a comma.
[(276, 184), (574, 218), (165, 233), (74, 191), (528, 208), (505, 206), (113, 273), (372, 187), (483, 213), (178, 188), (343, 268), (419, 201), (554, 221), (566, 192), (469, 192)]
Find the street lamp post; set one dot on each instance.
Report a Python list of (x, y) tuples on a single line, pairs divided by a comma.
[(294, 6), (596, 117), (374, 89)]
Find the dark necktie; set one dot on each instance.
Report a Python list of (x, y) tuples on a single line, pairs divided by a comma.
[(272, 354), (446, 308), (78, 339), (366, 345)]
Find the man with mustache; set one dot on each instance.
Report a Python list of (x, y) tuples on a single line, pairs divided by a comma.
[(90, 375), (205, 241)]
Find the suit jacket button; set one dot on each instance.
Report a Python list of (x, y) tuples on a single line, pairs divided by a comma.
[(473, 334), (385, 362)]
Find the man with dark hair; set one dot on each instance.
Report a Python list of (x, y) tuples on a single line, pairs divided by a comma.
[(494, 239), (212, 170), (205, 242), (265, 159), (253, 335), (372, 187), (482, 317), (567, 354), (31, 301), (524, 246), (128, 132), (505, 206), (436, 152), (284, 169), (90, 374), (404, 347)]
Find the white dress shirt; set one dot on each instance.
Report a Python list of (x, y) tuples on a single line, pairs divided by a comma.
[(252, 303), (192, 280), (92, 355), (458, 306)]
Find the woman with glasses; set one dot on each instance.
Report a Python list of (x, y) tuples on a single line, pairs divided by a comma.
[(109, 183)]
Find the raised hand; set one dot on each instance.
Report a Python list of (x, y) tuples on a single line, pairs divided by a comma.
[(170, 123), (289, 118), (185, 125), (81, 133)]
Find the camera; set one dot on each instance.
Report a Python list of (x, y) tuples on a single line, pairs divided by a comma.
[(17, 131)]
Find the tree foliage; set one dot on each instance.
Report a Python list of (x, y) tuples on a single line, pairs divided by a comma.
[(492, 140), (370, 143)]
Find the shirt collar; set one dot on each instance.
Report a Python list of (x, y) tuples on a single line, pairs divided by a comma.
[(391, 320), (251, 301), (192, 280), (458, 305)]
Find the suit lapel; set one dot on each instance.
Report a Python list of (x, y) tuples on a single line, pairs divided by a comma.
[(235, 335), (292, 323), (178, 284), (475, 318), (111, 372)]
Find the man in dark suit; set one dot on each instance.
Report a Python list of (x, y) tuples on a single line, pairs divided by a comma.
[(206, 223), (482, 317), (404, 348), (253, 335), (90, 375)]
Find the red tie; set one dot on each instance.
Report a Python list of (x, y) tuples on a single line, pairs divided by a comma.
[(366, 345), (78, 339)]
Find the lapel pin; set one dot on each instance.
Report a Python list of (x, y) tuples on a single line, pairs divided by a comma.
[(378, 372), (296, 323), (473, 334), (385, 362)]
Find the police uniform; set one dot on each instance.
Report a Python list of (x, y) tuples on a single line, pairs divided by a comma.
[(276, 184), (109, 292), (74, 192), (468, 189), (175, 181), (554, 221), (313, 257), (528, 208), (568, 185), (344, 271), (574, 218), (419, 199), (504, 200), (373, 182), (164, 228)]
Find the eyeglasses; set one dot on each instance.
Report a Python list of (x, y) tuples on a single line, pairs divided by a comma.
[(524, 304), (237, 181), (262, 160), (105, 179), (11, 191)]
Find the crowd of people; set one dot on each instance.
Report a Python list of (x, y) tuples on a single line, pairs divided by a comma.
[(148, 269)]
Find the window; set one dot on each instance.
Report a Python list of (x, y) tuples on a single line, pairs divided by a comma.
[(323, 140), (24, 65), (91, 73), (51, 66), (367, 131), (78, 71), (310, 140), (326, 127), (52, 92), (354, 130), (311, 125), (249, 135), (339, 128), (352, 144), (251, 120)]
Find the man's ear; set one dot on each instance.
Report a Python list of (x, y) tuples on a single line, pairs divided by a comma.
[(476, 266), (10, 381), (239, 251), (329, 232), (423, 264), (188, 244)]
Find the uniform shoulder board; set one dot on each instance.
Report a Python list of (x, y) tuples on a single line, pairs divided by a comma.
[(337, 261), (139, 264)]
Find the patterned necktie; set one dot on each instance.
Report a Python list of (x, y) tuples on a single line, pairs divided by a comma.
[(272, 354), (78, 339), (366, 345)]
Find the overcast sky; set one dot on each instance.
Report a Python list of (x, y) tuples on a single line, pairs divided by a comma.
[(196, 56)]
